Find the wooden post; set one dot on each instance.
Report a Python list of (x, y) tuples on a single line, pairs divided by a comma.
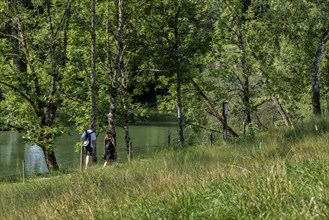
[(81, 158), (225, 112), (211, 138), (23, 171), (130, 151)]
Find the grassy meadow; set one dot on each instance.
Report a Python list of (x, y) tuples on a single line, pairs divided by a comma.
[(280, 175)]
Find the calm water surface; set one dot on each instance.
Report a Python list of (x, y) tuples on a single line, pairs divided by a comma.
[(146, 139)]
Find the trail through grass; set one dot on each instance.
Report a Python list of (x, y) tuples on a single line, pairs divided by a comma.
[(270, 178)]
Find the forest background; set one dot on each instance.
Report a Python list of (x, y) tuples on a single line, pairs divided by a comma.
[(64, 63)]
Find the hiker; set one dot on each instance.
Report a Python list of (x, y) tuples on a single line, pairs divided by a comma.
[(110, 153), (88, 138)]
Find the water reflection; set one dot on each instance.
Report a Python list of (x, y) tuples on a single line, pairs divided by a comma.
[(35, 160), (11, 155), (146, 138), (6, 149)]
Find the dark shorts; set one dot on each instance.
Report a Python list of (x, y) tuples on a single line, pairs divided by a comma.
[(110, 155), (88, 150)]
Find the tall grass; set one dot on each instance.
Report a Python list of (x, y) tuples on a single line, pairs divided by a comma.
[(273, 177)]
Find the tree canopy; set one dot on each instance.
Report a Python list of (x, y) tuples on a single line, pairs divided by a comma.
[(66, 62)]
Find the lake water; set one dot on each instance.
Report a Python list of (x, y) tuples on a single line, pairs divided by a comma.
[(146, 139)]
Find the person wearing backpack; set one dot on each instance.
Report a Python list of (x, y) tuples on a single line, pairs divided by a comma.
[(88, 139), (110, 153)]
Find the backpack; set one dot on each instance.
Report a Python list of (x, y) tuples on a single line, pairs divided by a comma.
[(86, 140), (109, 145)]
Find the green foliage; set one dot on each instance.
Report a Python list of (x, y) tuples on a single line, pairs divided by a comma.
[(279, 42), (241, 52), (26, 92), (181, 34)]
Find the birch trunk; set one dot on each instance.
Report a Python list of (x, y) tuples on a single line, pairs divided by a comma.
[(127, 135), (180, 112), (116, 70), (93, 69), (315, 81), (179, 79)]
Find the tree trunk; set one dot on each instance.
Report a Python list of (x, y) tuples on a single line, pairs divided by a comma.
[(180, 112), (116, 71), (65, 34), (50, 159), (179, 79), (282, 112), (212, 108), (114, 79), (21, 67), (127, 135), (49, 106), (18, 62), (93, 61), (244, 68), (246, 101), (37, 94), (315, 81), (93, 68)]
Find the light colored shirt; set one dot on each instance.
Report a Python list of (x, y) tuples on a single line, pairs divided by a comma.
[(92, 136)]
